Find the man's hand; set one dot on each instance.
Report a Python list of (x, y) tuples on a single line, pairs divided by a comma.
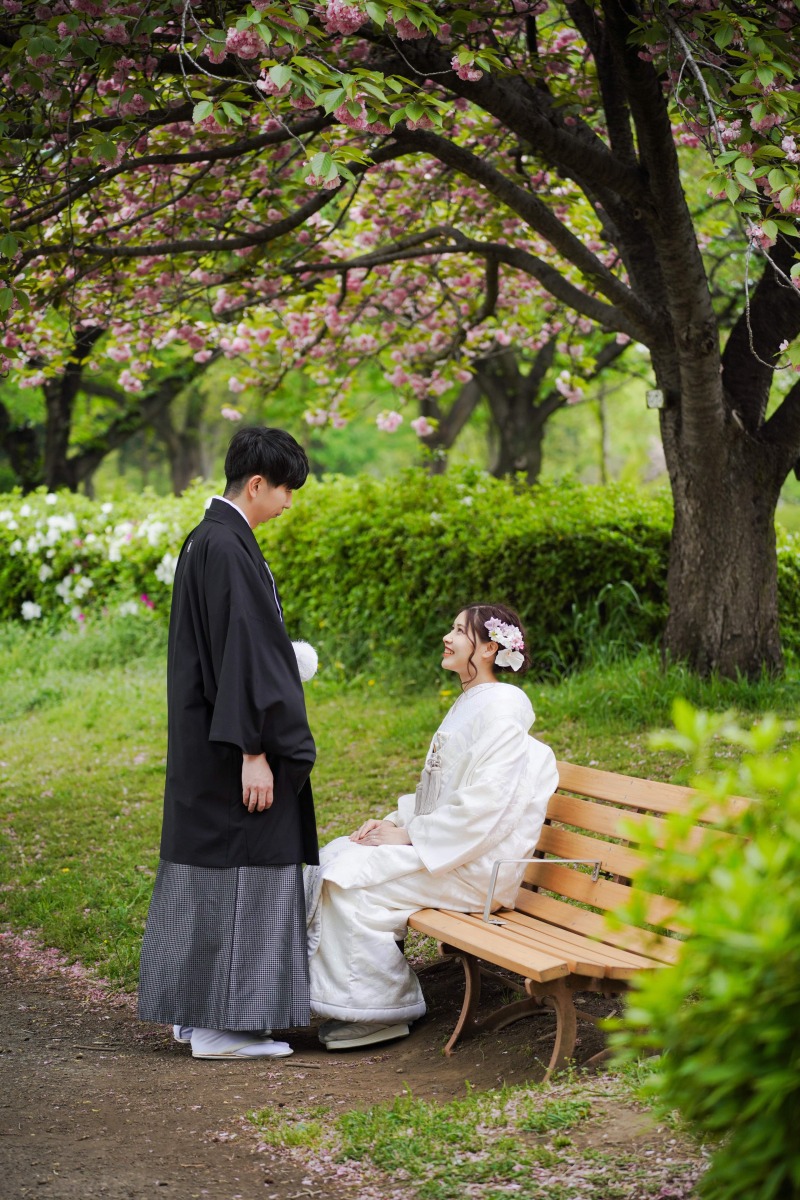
[(380, 833), (257, 782)]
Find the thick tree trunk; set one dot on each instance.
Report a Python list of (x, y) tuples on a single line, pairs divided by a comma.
[(722, 577)]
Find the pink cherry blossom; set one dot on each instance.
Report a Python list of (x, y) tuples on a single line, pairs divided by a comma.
[(422, 427), (388, 422), (230, 414)]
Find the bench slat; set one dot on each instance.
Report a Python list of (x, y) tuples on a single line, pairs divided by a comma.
[(586, 959), (452, 928), (615, 859), (567, 916), (585, 956), (630, 792), (619, 964), (601, 893), (606, 820)]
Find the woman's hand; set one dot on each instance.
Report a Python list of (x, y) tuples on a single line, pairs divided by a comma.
[(381, 833)]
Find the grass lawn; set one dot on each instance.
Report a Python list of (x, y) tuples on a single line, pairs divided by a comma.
[(83, 743)]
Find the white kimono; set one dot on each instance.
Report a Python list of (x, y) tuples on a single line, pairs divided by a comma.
[(482, 796)]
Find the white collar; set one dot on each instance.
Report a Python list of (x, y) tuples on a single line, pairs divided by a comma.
[(225, 500)]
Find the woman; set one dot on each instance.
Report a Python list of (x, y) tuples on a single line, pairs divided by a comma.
[(482, 796)]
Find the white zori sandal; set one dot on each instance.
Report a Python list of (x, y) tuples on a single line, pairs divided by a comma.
[(225, 1043), (350, 1035), (183, 1034)]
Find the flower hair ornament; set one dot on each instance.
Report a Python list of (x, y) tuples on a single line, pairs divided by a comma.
[(510, 638)]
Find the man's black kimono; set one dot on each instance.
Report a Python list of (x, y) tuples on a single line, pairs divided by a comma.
[(224, 946)]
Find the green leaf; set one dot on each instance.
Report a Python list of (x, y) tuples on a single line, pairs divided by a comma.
[(232, 112), (747, 182), (8, 245), (770, 229), (321, 163), (376, 14), (6, 298), (300, 15), (414, 111), (202, 110), (724, 36), (766, 75), (731, 191), (787, 195), (280, 74)]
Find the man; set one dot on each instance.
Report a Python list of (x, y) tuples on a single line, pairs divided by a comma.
[(224, 955)]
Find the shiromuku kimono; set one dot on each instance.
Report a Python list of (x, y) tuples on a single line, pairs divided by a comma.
[(482, 796), (225, 942)]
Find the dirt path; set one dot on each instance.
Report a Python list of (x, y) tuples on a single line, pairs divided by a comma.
[(95, 1104)]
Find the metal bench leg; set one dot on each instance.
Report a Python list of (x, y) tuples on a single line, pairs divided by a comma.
[(465, 1025), (558, 997)]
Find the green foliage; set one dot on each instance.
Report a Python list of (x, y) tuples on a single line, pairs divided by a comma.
[(373, 571), (725, 1017), (380, 569)]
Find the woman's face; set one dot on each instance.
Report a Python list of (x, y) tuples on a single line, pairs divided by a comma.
[(458, 647)]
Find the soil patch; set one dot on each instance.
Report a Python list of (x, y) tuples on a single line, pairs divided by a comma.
[(96, 1104)]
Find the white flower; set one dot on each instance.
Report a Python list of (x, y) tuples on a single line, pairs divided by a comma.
[(83, 586), (30, 611), (165, 571), (64, 588), (467, 500), (25, 510), (129, 608), (106, 508), (45, 572), (509, 658), (15, 547), (50, 498)]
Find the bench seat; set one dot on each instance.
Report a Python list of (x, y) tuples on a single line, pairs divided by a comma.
[(557, 937)]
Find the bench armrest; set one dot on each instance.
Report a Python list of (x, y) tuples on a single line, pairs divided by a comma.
[(487, 908)]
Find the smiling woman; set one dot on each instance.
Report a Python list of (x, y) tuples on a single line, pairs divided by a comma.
[(481, 797)]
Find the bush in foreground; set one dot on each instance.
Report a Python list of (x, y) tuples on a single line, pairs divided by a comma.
[(725, 1018)]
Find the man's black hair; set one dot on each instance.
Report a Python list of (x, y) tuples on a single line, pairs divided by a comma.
[(273, 453)]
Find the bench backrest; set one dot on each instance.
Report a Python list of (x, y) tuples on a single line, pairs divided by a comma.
[(584, 821)]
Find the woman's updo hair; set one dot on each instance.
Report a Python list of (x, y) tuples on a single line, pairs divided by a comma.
[(476, 616)]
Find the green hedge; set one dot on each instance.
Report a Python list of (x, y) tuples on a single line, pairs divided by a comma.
[(375, 570)]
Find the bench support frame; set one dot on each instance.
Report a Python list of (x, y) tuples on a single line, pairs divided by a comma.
[(556, 995)]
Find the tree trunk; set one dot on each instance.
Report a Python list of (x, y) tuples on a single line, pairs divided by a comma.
[(448, 424), (21, 444), (59, 396), (722, 577)]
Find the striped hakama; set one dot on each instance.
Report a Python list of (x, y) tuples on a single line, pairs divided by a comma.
[(225, 948)]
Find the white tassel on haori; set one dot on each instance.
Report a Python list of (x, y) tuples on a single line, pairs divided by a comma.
[(307, 660)]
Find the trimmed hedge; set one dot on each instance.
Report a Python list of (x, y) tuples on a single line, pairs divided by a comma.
[(374, 571)]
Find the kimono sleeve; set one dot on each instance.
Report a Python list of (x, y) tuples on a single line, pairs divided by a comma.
[(258, 703), (491, 791)]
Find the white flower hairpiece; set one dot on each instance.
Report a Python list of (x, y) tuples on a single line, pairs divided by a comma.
[(511, 639)]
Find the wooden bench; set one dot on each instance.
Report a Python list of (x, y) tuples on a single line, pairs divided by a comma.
[(557, 937)]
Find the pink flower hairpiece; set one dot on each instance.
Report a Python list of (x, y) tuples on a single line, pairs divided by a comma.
[(511, 639)]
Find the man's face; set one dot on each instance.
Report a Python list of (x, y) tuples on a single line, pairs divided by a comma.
[(269, 501)]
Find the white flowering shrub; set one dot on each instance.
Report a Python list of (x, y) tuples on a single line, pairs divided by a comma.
[(64, 556)]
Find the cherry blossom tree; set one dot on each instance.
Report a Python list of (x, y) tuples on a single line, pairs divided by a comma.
[(186, 148)]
